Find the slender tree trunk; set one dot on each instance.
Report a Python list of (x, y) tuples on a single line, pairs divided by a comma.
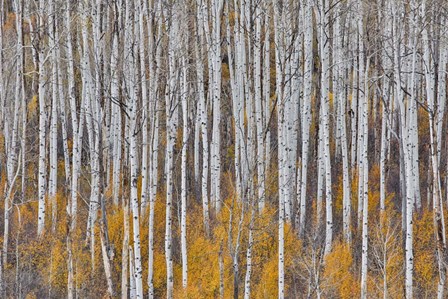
[(171, 96), (204, 119), (215, 95), (266, 94), (125, 250), (306, 111), (42, 123), (247, 284), (154, 150), (145, 105), (53, 153), (130, 38), (116, 107), (132, 280), (325, 126), (185, 135), (279, 60), (260, 127)]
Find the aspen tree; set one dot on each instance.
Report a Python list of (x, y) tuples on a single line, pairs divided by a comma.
[(363, 168), (235, 85), (106, 265), (412, 119), (320, 175), (441, 88), (93, 116), (141, 13), (8, 207), (116, 106), (385, 116), (295, 86), (89, 106), (260, 127), (364, 180), (156, 69), (185, 136), (171, 96), (132, 280), (62, 109), (279, 59), (250, 246), (52, 181), (324, 98), (360, 109), (77, 128), (199, 47), (106, 250), (42, 122), (306, 110), (353, 48), (125, 248), (77, 122), (384, 142), (131, 34), (215, 95), (20, 80), (266, 91), (340, 100), (10, 131), (407, 196), (242, 87)]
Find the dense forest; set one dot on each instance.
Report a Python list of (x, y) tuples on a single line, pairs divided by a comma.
[(223, 148)]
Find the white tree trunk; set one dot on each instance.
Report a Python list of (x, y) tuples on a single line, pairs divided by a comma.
[(116, 114), (215, 95), (408, 199), (154, 149), (42, 125), (325, 127), (171, 96), (130, 37), (185, 135), (266, 95), (306, 110), (125, 250), (247, 286), (260, 127), (204, 119), (52, 182), (145, 105), (132, 280)]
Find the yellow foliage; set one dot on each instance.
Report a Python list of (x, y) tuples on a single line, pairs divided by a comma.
[(32, 106), (337, 272), (58, 265), (225, 71), (204, 269), (30, 296), (70, 145), (2, 143), (269, 277), (331, 98), (386, 254), (425, 265), (339, 195)]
